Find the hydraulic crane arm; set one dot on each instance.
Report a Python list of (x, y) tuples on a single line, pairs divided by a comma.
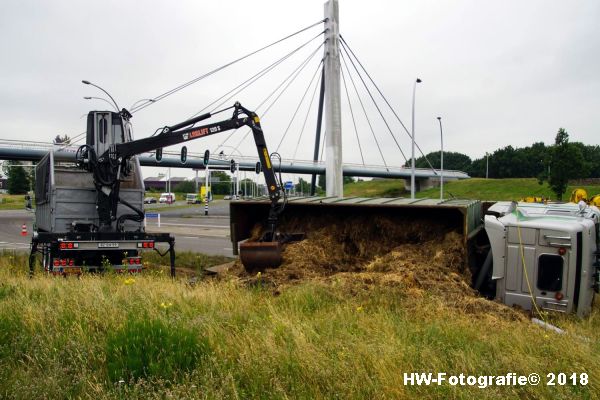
[(112, 164)]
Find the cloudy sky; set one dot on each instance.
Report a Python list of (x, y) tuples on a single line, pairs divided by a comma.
[(498, 73)]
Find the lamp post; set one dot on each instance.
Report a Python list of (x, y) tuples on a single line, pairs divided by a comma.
[(100, 98), (441, 161), (487, 164), (108, 94), (412, 161)]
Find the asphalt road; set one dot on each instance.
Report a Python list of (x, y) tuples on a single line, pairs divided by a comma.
[(193, 230)]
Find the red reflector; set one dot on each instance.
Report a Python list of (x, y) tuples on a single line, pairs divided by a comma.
[(138, 260), (558, 296), (562, 251), (63, 245), (145, 245), (151, 245), (56, 263), (63, 262), (71, 262), (70, 245), (131, 261)]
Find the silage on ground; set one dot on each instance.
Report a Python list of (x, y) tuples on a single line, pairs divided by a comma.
[(424, 257)]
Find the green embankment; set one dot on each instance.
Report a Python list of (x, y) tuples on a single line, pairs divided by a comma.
[(474, 188), (149, 336)]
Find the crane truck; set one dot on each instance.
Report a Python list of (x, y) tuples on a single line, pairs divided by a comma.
[(90, 216)]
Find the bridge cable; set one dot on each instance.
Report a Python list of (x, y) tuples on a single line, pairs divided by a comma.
[(365, 112), (293, 75), (345, 44), (298, 107), (299, 70), (307, 112), (248, 82), (375, 103), (207, 74), (352, 114)]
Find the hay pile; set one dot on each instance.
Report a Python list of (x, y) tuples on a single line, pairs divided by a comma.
[(423, 257)]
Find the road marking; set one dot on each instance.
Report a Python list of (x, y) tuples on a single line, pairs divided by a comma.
[(194, 225), (228, 248)]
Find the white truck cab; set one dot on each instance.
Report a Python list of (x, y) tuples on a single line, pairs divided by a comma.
[(547, 253)]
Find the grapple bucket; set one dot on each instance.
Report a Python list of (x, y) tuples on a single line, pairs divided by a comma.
[(363, 225), (256, 256)]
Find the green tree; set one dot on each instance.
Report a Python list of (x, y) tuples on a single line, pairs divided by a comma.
[(186, 187), (303, 186), (220, 182), (18, 180), (321, 182), (452, 160), (565, 161), (62, 139)]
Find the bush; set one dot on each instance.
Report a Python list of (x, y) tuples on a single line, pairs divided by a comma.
[(146, 348)]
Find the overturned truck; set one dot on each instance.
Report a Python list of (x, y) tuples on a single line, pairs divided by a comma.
[(543, 256)]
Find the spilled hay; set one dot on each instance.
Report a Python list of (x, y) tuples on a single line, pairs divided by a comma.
[(421, 256)]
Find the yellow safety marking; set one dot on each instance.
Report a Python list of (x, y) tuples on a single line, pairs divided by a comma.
[(267, 158), (256, 119)]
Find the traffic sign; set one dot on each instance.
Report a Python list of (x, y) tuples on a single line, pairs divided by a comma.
[(288, 185)]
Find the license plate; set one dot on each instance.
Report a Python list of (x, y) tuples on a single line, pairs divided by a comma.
[(110, 245)]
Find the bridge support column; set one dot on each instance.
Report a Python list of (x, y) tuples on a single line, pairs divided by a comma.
[(333, 104)]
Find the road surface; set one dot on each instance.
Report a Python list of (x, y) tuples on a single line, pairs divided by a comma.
[(193, 230)]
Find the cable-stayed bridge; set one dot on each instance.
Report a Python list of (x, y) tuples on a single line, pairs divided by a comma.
[(328, 77)]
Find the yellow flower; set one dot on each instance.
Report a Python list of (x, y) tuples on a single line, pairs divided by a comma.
[(258, 274), (129, 281), (359, 308), (166, 305)]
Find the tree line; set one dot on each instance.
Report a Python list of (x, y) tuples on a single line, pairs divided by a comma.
[(526, 162), (556, 164)]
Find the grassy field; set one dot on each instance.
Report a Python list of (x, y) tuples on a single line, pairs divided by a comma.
[(148, 336), (474, 188), (12, 202)]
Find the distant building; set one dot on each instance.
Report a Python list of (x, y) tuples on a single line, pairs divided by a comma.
[(161, 184)]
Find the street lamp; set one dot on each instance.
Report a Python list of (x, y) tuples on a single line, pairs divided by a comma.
[(441, 161), (108, 94), (412, 174), (99, 98)]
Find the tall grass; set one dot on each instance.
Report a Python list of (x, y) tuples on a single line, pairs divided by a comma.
[(152, 337)]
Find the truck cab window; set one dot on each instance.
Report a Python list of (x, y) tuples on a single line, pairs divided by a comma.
[(102, 128), (550, 272)]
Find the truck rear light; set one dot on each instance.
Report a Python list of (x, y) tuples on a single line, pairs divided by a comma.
[(63, 245), (70, 262), (56, 262), (69, 245), (558, 296), (151, 245), (138, 260), (562, 251), (131, 261), (63, 262)]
